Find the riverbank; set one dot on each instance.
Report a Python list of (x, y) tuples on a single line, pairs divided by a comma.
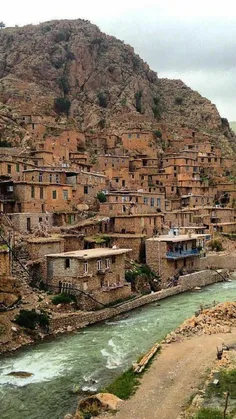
[(93, 357), (175, 375), (61, 323), (181, 367)]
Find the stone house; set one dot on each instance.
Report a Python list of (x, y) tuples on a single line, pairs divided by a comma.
[(171, 254), (98, 272), (148, 224)]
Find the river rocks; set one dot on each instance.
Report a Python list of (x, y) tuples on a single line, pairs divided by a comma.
[(219, 319), (98, 403), (20, 374)]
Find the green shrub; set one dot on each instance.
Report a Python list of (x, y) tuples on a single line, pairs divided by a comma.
[(101, 197), (62, 299), (64, 85), (102, 123), (157, 134), (102, 99), (138, 101), (31, 318), (62, 105), (179, 100), (5, 143), (215, 244)]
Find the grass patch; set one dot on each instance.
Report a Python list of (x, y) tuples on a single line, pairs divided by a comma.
[(227, 382), (125, 385), (207, 413)]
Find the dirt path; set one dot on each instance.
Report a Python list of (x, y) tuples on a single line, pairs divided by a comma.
[(173, 377)]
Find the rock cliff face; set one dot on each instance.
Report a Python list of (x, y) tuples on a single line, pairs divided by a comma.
[(101, 77)]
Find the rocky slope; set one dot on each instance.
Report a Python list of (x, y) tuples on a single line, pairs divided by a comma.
[(101, 77)]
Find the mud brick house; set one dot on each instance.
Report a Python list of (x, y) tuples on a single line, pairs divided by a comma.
[(98, 272), (131, 202), (175, 253), (148, 224)]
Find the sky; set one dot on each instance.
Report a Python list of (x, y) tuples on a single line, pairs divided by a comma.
[(194, 41)]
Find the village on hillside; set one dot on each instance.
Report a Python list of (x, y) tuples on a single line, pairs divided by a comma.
[(107, 216)]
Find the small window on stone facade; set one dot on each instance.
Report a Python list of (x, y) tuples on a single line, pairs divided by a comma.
[(152, 202), (107, 263), (50, 178), (32, 192), (67, 263), (86, 267), (65, 194), (54, 194), (9, 168), (41, 192), (113, 259), (130, 136), (85, 189), (25, 166), (138, 135), (99, 264), (145, 200), (40, 177), (17, 167), (40, 219), (57, 178)]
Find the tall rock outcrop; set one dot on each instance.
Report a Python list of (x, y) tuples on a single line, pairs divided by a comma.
[(101, 77)]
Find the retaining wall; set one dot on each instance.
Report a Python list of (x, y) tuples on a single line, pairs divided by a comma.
[(78, 320)]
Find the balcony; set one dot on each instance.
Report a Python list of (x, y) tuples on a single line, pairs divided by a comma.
[(182, 254), (7, 198)]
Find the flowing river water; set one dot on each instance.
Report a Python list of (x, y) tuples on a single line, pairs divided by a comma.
[(92, 357)]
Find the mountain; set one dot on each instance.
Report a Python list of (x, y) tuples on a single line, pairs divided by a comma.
[(71, 66)]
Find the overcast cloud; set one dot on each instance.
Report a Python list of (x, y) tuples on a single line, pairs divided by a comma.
[(192, 41)]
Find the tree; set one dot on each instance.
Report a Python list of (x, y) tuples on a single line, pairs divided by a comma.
[(2, 25)]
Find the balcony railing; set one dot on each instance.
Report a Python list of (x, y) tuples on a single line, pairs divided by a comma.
[(6, 198), (182, 254)]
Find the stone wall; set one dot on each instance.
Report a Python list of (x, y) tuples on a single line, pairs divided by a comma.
[(77, 320), (219, 261), (39, 247), (19, 220)]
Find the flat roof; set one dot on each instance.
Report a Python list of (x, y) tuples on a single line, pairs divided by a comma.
[(90, 253), (179, 238)]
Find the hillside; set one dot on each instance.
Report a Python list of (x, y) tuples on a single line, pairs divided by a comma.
[(98, 78)]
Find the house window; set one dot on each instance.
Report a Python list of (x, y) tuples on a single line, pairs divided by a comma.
[(9, 168), (41, 192), (145, 200), (158, 202), (40, 177), (107, 263), (25, 166), (152, 202), (17, 167), (86, 190), (129, 135), (50, 178), (138, 135), (54, 194), (67, 263), (86, 267), (99, 264), (113, 259), (32, 192), (65, 194), (40, 219), (57, 178)]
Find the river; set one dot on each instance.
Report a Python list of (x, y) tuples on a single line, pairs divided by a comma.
[(92, 357)]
